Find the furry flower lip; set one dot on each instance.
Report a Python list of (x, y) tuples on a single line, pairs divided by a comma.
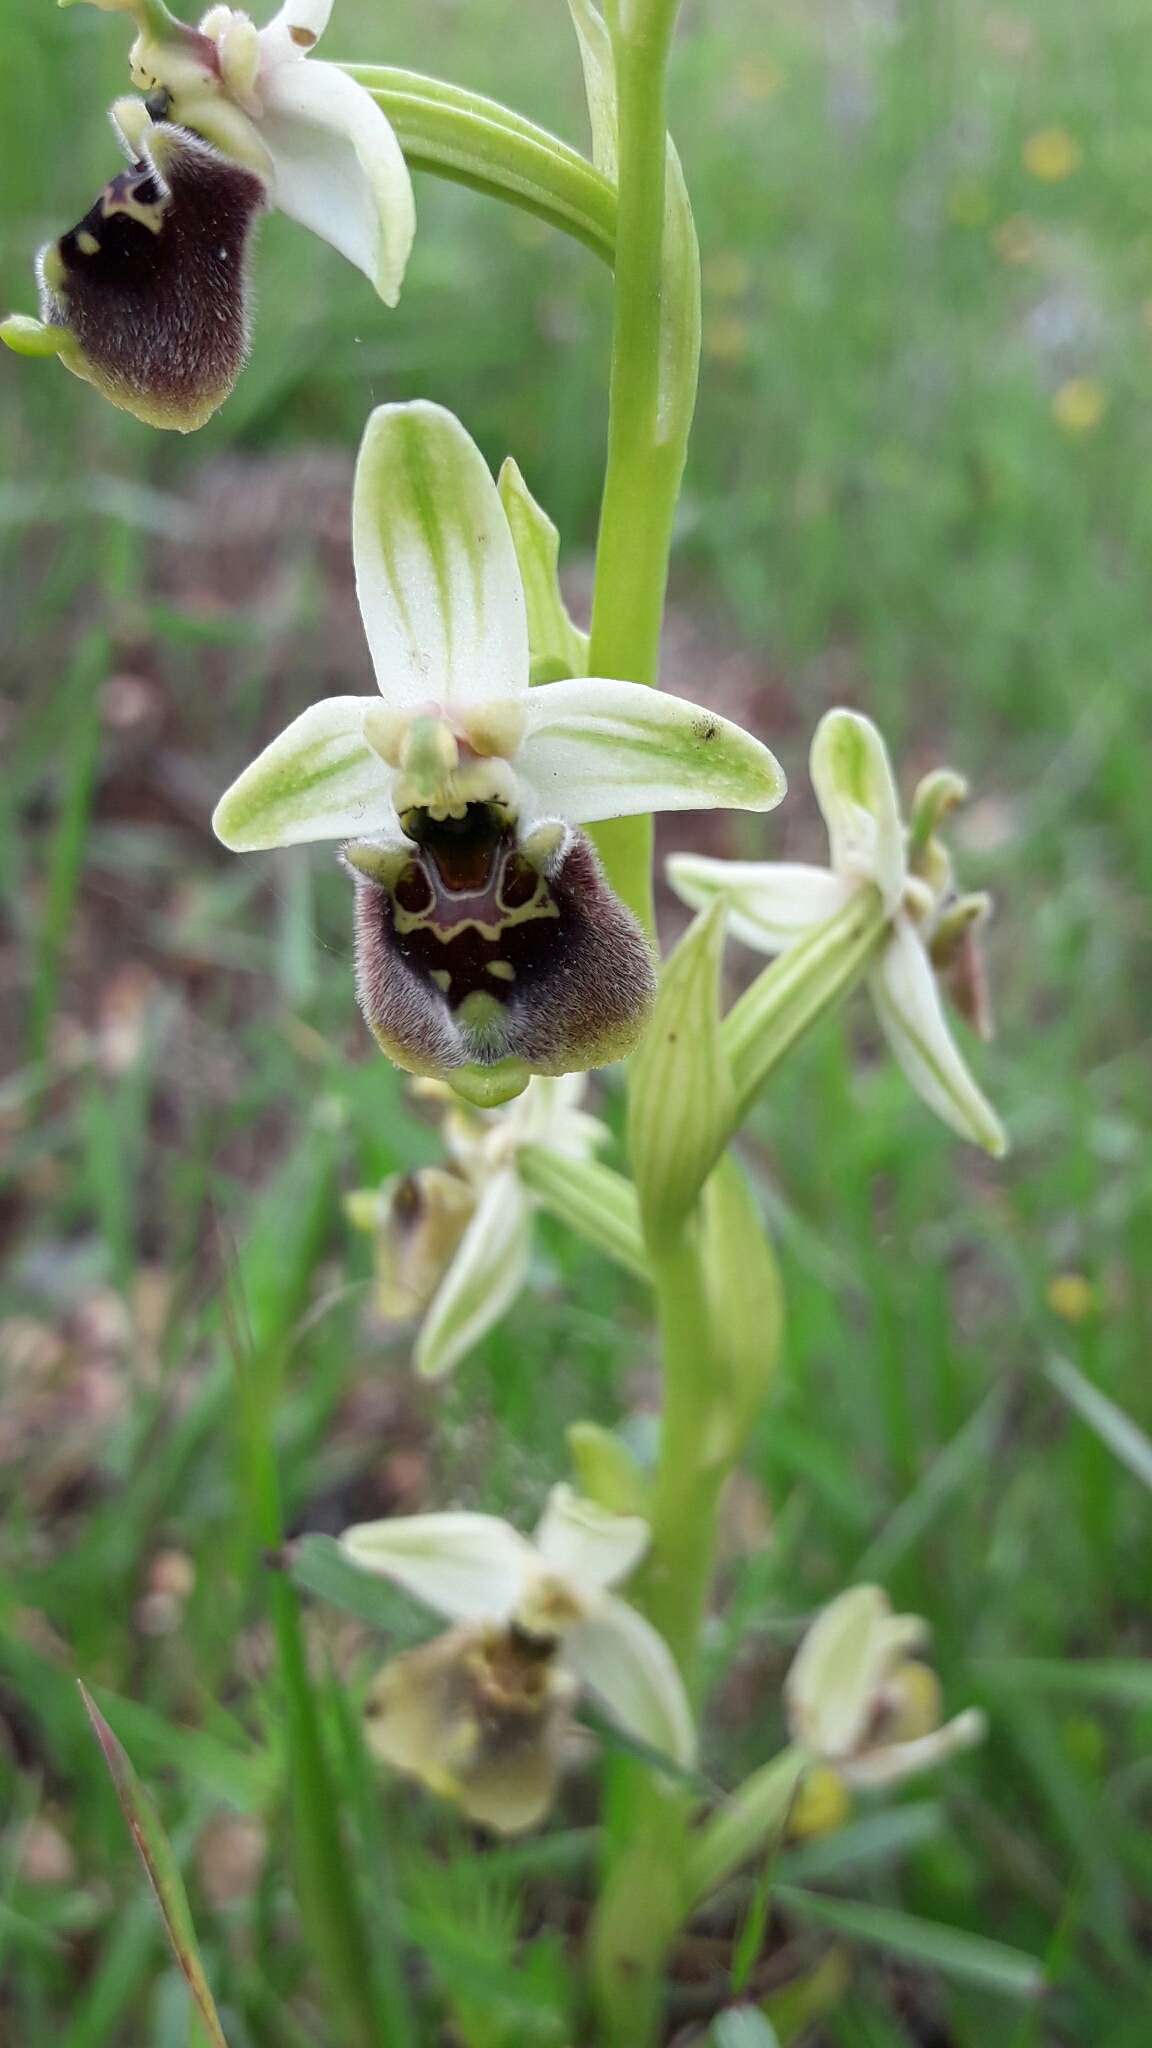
[(929, 929), (147, 298), (147, 293), (486, 932)]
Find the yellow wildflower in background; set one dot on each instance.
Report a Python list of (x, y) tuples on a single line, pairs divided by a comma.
[(1052, 155), (1079, 405), (1071, 1296)]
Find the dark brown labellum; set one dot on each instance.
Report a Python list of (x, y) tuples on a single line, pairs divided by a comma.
[(152, 283), (484, 947)]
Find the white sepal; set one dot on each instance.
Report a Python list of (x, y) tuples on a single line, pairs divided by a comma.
[(770, 904), (436, 571), (627, 1664), (891, 1764), (853, 780), (908, 1004), (484, 1278), (318, 779), (467, 1567), (338, 168), (588, 1545), (597, 748), (838, 1671)]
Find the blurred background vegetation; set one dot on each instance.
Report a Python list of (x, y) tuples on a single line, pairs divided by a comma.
[(918, 484)]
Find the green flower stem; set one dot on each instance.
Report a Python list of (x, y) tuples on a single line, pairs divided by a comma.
[(476, 142), (688, 1480), (649, 1819), (655, 357)]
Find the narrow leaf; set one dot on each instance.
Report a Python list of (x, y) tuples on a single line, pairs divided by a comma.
[(599, 67), (681, 1107), (557, 647), (160, 1866), (318, 1565), (972, 1957), (1116, 1429), (1120, 1682), (745, 1297)]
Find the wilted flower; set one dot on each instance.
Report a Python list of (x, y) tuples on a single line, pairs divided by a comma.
[(147, 297), (859, 1701), (480, 1715), (453, 1246), (930, 929), (486, 933)]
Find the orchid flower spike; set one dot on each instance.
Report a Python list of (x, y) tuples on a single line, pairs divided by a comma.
[(147, 297), (859, 1702), (453, 1246), (487, 936), (480, 1715), (929, 927)]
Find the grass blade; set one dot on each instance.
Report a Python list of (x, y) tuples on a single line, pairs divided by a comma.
[(953, 1950), (1113, 1427), (161, 1868)]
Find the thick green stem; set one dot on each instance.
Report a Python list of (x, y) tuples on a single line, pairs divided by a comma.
[(647, 1894), (688, 1482), (655, 354)]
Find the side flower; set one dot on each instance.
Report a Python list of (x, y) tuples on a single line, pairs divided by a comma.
[(487, 936), (929, 929), (481, 1714), (453, 1246), (147, 297), (860, 1702)]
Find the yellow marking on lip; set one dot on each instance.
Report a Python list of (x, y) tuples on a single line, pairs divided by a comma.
[(502, 970), (86, 242), (149, 216)]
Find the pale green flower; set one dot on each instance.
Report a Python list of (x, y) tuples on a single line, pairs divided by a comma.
[(480, 1715), (774, 904), (859, 1701)]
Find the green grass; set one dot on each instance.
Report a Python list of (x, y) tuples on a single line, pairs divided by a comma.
[(882, 506)]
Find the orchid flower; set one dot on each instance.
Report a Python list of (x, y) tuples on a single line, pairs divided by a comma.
[(928, 926), (147, 298), (453, 1246), (486, 933), (480, 1714), (857, 1701)]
